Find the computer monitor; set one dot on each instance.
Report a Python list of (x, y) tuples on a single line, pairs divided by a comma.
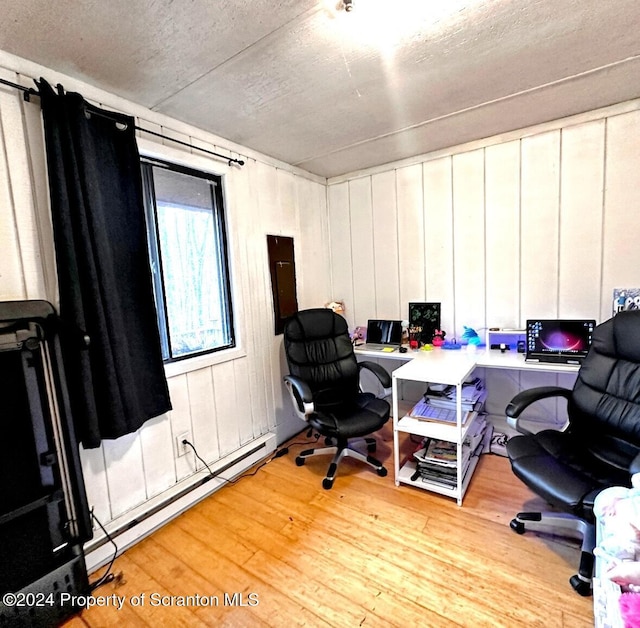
[(557, 340), (384, 332)]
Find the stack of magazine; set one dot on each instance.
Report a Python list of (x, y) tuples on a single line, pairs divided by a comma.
[(439, 402), (436, 460), (473, 392)]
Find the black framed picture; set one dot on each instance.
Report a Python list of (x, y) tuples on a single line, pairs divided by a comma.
[(424, 318)]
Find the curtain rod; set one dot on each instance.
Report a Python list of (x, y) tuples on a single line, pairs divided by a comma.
[(29, 91)]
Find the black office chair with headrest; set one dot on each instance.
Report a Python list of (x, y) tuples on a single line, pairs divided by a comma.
[(599, 448), (324, 387)]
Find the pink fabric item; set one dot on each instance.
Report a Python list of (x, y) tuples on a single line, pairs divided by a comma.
[(630, 609)]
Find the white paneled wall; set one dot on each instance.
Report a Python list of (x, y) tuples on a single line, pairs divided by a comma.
[(411, 236), (538, 223), (542, 225), (541, 222), (438, 247), (469, 243), (385, 246), (502, 233), (227, 402), (621, 258)]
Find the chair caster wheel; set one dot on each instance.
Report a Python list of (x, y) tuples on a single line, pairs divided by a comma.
[(299, 461), (517, 526), (580, 586), (327, 483), (382, 472)]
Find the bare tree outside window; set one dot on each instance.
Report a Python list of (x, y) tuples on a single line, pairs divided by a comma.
[(189, 259)]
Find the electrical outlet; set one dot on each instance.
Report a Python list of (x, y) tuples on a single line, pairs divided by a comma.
[(182, 449)]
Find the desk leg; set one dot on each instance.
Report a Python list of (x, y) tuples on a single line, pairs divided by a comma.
[(396, 441), (459, 441)]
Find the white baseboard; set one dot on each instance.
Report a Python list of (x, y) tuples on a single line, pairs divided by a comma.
[(136, 524)]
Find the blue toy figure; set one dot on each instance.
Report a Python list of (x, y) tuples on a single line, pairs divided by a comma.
[(471, 336)]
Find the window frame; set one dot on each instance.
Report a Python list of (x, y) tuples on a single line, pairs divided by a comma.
[(206, 356)]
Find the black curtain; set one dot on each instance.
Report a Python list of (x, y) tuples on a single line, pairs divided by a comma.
[(117, 382)]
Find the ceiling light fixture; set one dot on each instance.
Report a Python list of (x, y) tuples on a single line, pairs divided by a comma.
[(386, 27)]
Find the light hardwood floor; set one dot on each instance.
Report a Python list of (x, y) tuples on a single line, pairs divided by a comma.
[(366, 553)]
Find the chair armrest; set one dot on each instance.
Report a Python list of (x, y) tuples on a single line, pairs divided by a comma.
[(380, 372), (527, 397), (301, 396)]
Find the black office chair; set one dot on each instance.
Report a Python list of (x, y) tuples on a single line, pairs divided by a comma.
[(325, 390), (599, 448)]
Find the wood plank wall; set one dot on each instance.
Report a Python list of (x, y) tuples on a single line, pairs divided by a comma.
[(539, 223), (227, 402)]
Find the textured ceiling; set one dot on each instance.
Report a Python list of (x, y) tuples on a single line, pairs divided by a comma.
[(333, 92)]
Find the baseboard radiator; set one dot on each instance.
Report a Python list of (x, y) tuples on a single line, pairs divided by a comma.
[(133, 526)]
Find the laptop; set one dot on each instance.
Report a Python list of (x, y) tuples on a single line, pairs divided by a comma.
[(383, 335), (558, 341)]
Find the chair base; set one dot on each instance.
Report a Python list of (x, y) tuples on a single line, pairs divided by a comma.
[(343, 450), (565, 525)]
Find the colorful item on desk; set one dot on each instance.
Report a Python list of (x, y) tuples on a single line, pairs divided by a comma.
[(471, 336), (359, 335), (405, 332), (426, 347), (438, 338), (414, 337)]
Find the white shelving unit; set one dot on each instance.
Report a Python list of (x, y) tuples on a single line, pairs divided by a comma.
[(509, 337), (441, 367)]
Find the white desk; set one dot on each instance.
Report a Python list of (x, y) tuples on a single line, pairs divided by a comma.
[(452, 367), (486, 358)]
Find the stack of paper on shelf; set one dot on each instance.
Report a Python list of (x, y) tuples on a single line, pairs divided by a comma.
[(439, 403), (436, 460), (473, 393), (426, 411)]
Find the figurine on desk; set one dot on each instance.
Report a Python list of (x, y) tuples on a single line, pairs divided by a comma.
[(414, 336), (471, 336), (359, 336), (438, 338)]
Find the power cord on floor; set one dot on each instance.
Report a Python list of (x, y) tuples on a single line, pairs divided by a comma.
[(277, 454), (108, 575)]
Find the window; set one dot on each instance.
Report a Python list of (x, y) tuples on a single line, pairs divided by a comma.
[(188, 250)]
